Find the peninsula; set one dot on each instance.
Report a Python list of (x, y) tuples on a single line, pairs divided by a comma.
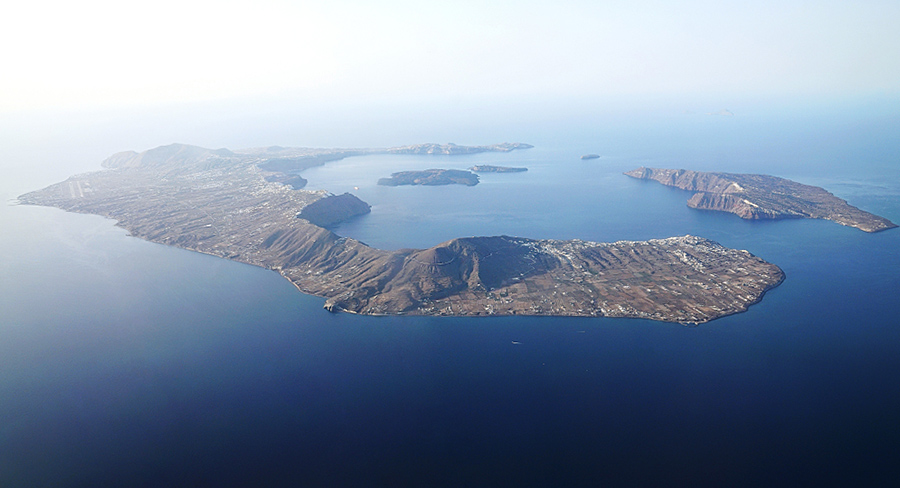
[(763, 197), (227, 203)]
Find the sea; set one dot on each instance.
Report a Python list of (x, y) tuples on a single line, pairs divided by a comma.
[(128, 363)]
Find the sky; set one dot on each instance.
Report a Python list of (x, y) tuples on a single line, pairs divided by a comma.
[(95, 53)]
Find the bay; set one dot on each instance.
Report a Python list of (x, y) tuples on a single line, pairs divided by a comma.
[(124, 362)]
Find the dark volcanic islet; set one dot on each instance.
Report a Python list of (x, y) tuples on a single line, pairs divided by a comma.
[(332, 209), (222, 203), (756, 197)]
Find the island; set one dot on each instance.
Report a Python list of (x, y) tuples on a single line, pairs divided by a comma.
[(452, 149), (591, 156), (487, 168), (755, 197), (431, 177), (222, 202)]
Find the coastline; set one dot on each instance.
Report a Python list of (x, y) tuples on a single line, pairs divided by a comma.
[(235, 213)]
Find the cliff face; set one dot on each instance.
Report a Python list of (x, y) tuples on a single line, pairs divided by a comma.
[(734, 204), (752, 196), (687, 180)]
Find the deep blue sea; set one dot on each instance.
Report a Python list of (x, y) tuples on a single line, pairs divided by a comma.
[(128, 363)]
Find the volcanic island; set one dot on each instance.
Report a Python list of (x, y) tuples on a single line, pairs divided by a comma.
[(757, 197), (431, 177), (249, 206)]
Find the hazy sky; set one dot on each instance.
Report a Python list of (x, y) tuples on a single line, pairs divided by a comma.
[(103, 53)]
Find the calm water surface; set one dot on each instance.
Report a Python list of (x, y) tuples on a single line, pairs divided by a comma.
[(124, 362)]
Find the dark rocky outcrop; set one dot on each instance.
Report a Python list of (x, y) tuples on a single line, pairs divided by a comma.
[(333, 209)]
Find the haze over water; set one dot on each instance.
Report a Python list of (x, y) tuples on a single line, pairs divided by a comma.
[(130, 363)]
